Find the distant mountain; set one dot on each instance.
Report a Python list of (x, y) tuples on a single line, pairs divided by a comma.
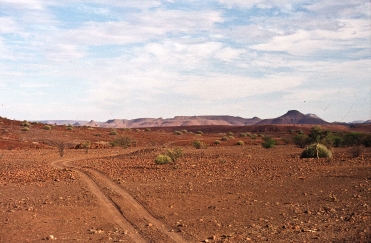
[(64, 122), (293, 117), (359, 122), (93, 124), (180, 121)]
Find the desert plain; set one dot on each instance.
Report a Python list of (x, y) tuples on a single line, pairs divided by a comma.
[(217, 193)]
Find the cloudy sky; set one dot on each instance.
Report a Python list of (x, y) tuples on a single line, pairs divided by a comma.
[(78, 59)]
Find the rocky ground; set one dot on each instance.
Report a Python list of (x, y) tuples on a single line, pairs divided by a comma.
[(223, 193)]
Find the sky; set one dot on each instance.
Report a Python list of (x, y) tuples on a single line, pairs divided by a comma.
[(100, 60)]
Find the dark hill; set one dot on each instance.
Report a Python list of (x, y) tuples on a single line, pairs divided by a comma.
[(293, 117)]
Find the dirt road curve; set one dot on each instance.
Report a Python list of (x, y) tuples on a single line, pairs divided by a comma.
[(134, 219)]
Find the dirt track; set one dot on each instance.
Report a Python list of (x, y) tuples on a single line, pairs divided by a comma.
[(134, 219)]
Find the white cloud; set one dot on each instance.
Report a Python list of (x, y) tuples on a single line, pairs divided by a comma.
[(228, 54), (284, 5), (142, 27), (64, 52), (8, 25), (23, 4), (353, 34), (241, 3), (219, 87)]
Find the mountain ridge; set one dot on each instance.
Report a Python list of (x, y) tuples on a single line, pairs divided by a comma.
[(291, 117)]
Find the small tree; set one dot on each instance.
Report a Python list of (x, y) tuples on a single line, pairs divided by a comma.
[(175, 155), (61, 146), (87, 146)]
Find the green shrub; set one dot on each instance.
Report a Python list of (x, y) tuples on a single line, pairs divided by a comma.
[(69, 127), (25, 124), (147, 129), (300, 131), (316, 151), (254, 136), (217, 142), (47, 127), (240, 143), (162, 159), (300, 140), (113, 132), (224, 138), (231, 137), (268, 142), (242, 135), (337, 141), (199, 132), (366, 141), (184, 131), (25, 129), (352, 138), (197, 144), (230, 134), (286, 140), (123, 142), (178, 133)]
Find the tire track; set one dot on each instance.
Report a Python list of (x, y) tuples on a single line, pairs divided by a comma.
[(110, 207), (139, 208), (124, 210)]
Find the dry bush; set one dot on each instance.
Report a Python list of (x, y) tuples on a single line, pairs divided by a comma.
[(356, 152), (61, 146)]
